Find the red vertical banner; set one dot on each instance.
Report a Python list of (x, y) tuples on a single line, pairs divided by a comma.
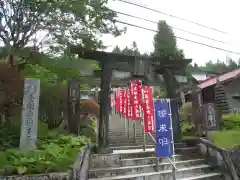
[(121, 96), (117, 99), (148, 109), (125, 100), (135, 100), (129, 106), (112, 98)]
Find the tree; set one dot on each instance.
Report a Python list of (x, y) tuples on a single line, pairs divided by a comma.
[(64, 23), (165, 43), (231, 63), (116, 50), (133, 50)]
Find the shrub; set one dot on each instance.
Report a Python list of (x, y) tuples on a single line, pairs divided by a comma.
[(225, 139), (231, 121), (187, 128), (54, 154), (10, 133), (186, 112), (11, 83)]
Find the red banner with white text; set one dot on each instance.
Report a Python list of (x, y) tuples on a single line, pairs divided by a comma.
[(125, 100), (122, 99), (135, 99), (117, 100), (148, 111), (129, 105)]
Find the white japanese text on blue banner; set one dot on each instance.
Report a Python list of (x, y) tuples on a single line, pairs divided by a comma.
[(164, 141)]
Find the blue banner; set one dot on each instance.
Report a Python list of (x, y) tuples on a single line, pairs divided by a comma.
[(164, 141)]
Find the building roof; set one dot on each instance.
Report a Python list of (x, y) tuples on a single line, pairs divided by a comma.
[(222, 78)]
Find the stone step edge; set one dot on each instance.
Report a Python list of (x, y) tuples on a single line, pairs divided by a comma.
[(140, 146), (142, 166), (127, 176), (141, 152), (145, 158), (202, 176), (134, 146), (137, 152)]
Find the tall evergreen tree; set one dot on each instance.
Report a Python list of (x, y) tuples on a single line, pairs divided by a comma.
[(117, 49), (165, 43)]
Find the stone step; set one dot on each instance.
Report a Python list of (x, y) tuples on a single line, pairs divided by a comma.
[(152, 148), (130, 146), (148, 160), (126, 138), (131, 133), (163, 162), (123, 136), (181, 173), (139, 141), (209, 176), (139, 153), (103, 172), (122, 130), (131, 141)]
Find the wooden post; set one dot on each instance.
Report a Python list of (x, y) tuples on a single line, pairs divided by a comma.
[(30, 114), (171, 86), (104, 101)]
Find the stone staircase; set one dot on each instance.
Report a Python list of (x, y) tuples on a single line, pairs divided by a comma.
[(129, 162)]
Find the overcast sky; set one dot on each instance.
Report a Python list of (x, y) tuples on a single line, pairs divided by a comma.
[(219, 14)]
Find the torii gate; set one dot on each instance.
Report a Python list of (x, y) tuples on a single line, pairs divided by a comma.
[(140, 67)]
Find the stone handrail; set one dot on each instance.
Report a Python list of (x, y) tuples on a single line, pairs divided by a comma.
[(221, 156), (81, 165)]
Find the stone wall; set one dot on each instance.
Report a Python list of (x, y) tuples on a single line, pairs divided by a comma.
[(49, 176), (221, 158)]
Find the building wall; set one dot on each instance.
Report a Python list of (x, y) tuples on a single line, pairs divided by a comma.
[(233, 89)]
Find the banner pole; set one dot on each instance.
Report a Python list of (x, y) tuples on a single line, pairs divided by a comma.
[(157, 159), (125, 118), (134, 131), (125, 105), (173, 145), (114, 102), (128, 128), (141, 118)]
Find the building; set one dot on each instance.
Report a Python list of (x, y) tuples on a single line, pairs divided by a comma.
[(202, 75), (230, 85)]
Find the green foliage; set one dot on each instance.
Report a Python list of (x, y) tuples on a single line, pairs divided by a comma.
[(231, 121), (165, 43), (186, 112), (228, 137), (53, 104), (56, 150), (10, 133), (158, 93), (133, 50), (186, 122), (187, 128), (217, 67), (67, 22), (54, 154), (39, 72), (87, 128), (225, 139)]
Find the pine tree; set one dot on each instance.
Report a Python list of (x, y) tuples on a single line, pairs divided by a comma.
[(117, 50), (165, 43)]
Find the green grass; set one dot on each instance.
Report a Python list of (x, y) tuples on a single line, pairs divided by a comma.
[(227, 139)]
